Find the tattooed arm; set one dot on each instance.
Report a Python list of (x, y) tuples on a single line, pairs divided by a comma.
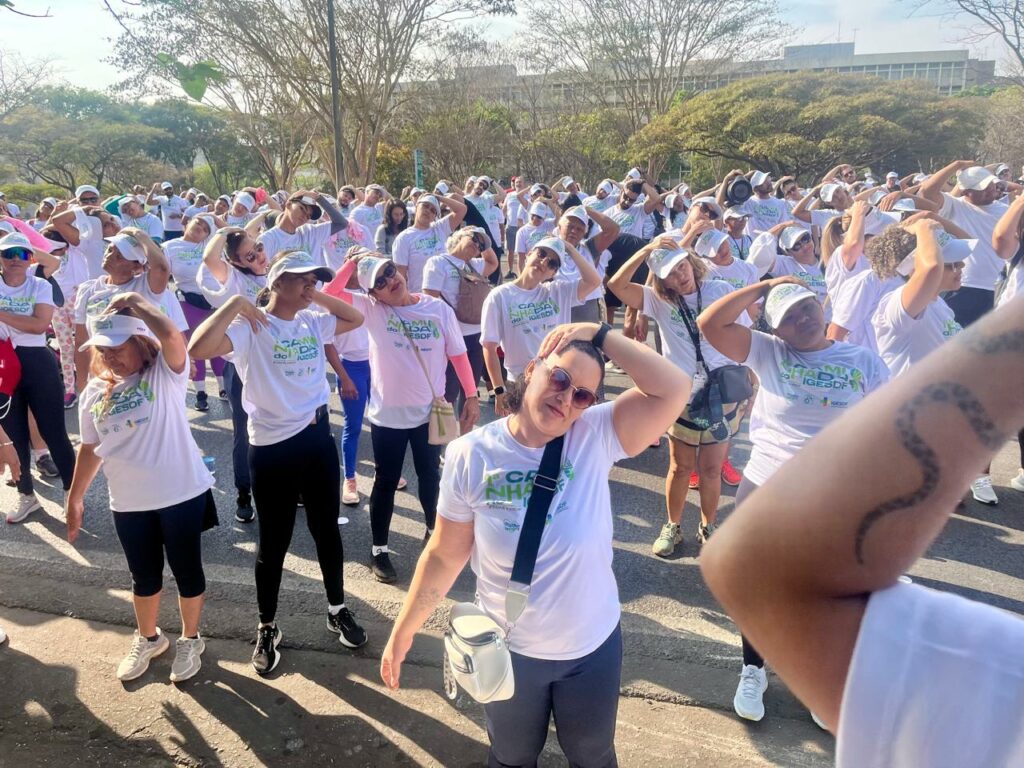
[(440, 564), (832, 539)]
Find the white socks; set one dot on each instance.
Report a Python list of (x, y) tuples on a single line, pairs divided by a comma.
[(377, 550), (335, 609)]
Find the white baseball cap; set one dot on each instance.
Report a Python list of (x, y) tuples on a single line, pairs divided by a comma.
[(297, 263), (442, 189), (86, 188), (129, 248), (634, 173), (953, 251), (369, 269), (15, 240), (876, 221), (555, 245), (827, 191), (246, 200), (539, 209), (708, 201), (783, 298), (904, 204), (577, 212), (892, 175), (114, 330), (663, 260), (736, 212), (975, 178), (431, 201), (167, 185), (758, 178), (607, 186), (535, 189), (790, 236), (708, 243)]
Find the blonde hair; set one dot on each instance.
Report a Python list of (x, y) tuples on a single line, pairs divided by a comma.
[(832, 236), (700, 273)]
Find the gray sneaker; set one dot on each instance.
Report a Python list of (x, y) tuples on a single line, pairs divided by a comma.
[(187, 661), (46, 467), (27, 504), (138, 658), (666, 542), (704, 532)]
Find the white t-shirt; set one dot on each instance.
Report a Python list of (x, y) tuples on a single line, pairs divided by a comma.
[(529, 235), (514, 211), (487, 480), (981, 270), (172, 210), (856, 302), (569, 270), (369, 216), (765, 214), (677, 346), (282, 369), (338, 244), (148, 223), (400, 394), (150, 458), (630, 220), (91, 244), (95, 295), (519, 320), (22, 300), (902, 339), (738, 274), (185, 259), (1014, 284), (800, 394), (413, 247), (495, 217), (442, 274), (238, 283), (72, 272), (935, 680), (837, 273), (601, 205), (353, 346), (310, 237), (740, 246)]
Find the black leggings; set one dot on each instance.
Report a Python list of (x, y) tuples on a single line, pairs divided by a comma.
[(176, 530), (240, 430), (1020, 444), (388, 457), (40, 389), (452, 386), (750, 656), (305, 464)]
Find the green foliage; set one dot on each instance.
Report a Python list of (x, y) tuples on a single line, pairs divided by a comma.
[(194, 79), (808, 122), (29, 195), (394, 167)]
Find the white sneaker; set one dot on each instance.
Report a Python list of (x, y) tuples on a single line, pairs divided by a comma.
[(27, 504), (349, 493), (982, 491), (187, 661), (137, 660), (1017, 483), (3, 636), (818, 722), (748, 701)]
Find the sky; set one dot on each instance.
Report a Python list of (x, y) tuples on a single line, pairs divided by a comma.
[(80, 33)]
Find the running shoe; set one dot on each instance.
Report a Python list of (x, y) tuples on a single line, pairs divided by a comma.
[(666, 542), (70, 401), (3, 636), (749, 699), (266, 656), (402, 484), (982, 491), (1017, 483), (704, 532), (349, 493), (694, 483), (223, 394), (46, 466), (343, 623), (510, 275), (138, 658), (245, 512), (187, 658), (27, 504), (729, 474), (383, 570), (202, 402), (819, 722)]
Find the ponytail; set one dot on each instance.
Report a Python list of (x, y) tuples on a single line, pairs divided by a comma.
[(832, 235)]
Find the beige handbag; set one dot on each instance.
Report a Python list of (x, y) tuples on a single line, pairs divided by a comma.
[(442, 427)]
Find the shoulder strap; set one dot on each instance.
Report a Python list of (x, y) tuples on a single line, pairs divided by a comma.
[(545, 484), (416, 349), (690, 321)]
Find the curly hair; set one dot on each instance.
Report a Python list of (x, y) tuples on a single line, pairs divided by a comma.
[(885, 251)]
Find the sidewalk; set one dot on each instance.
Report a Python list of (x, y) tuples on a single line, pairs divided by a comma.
[(61, 705)]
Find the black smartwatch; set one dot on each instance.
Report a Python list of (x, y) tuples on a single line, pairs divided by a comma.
[(499, 390), (598, 340)]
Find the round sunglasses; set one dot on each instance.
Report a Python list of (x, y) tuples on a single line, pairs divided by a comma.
[(560, 380)]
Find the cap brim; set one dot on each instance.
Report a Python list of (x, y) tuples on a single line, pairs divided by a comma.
[(666, 269), (323, 274), (105, 340), (791, 302)]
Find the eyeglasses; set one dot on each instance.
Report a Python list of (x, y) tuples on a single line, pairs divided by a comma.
[(551, 262), (559, 380), (385, 276), (90, 199), (480, 243), (24, 254), (804, 240), (252, 255)]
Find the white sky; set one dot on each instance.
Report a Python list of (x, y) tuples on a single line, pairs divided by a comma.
[(80, 33)]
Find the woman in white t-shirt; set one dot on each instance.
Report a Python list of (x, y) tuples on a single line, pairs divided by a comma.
[(26, 307), (681, 289), (518, 315), (574, 227), (469, 248), (807, 381), (426, 237), (278, 352), (185, 255), (1007, 239), (539, 224), (787, 249), (413, 337), (566, 646), (235, 264), (135, 428)]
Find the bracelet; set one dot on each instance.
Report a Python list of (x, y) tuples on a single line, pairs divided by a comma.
[(598, 340), (7, 444)]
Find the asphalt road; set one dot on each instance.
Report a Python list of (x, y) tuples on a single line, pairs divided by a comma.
[(680, 647)]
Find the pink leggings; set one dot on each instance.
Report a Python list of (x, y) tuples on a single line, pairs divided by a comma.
[(63, 323), (194, 316)]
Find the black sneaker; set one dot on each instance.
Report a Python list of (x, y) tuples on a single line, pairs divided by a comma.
[(344, 624), (223, 394), (510, 275), (704, 532), (245, 513), (46, 467), (383, 570), (202, 402), (266, 656)]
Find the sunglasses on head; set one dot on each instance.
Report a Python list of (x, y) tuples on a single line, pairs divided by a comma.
[(385, 276), (23, 254), (559, 380)]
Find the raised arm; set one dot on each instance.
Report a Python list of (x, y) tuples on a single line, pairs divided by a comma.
[(719, 323), (932, 187), (338, 220), (158, 268), (457, 208), (853, 242), (802, 210), (172, 342), (349, 318), (1005, 236), (211, 339), (590, 279), (609, 231), (923, 285), (631, 294)]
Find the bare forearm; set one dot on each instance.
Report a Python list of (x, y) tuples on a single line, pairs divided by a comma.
[(433, 578), (207, 337)]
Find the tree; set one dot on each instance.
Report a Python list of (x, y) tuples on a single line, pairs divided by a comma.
[(1002, 20), (1003, 141), (20, 80), (805, 123)]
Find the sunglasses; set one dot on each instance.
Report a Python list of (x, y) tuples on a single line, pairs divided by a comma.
[(88, 199), (24, 254), (560, 381), (711, 212), (801, 242), (551, 262), (385, 276), (252, 255)]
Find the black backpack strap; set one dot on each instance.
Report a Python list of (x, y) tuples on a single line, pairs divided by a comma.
[(545, 484)]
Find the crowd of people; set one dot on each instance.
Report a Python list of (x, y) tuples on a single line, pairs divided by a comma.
[(754, 298)]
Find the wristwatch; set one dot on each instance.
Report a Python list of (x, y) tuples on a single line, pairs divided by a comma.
[(499, 390), (598, 340)]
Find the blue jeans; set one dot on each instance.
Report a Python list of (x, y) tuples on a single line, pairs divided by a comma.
[(359, 372)]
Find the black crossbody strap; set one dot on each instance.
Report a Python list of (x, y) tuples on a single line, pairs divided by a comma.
[(545, 484), (691, 326)]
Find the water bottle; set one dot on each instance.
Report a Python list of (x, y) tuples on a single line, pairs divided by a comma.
[(211, 463)]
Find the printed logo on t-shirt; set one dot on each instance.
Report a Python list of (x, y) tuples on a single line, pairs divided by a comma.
[(815, 382), (128, 400), (951, 328), (18, 305), (532, 312), (427, 244), (420, 330), (764, 210), (510, 489), (815, 281), (288, 351)]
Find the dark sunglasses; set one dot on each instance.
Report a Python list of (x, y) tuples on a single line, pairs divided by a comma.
[(24, 254), (559, 380), (711, 212), (551, 262), (804, 240), (252, 255), (480, 243), (387, 274), (89, 199)]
